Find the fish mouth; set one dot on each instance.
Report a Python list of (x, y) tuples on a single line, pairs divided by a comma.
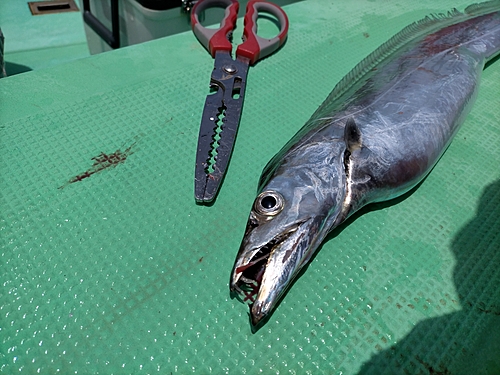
[(260, 278), (247, 278)]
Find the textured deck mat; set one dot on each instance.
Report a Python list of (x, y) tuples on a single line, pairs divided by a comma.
[(37, 42), (120, 272)]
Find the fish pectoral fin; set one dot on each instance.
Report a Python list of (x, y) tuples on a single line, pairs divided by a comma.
[(352, 135)]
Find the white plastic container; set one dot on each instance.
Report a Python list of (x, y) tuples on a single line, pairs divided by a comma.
[(137, 23)]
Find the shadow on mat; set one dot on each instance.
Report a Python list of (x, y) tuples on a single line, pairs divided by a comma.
[(467, 341), (13, 68)]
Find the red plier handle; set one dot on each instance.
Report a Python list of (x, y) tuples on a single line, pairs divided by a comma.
[(253, 47)]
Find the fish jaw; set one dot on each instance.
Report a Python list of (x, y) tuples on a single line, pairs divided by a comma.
[(263, 273)]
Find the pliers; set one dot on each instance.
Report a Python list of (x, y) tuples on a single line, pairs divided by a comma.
[(222, 111)]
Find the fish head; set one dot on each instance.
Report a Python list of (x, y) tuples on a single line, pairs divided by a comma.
[(289, 219)]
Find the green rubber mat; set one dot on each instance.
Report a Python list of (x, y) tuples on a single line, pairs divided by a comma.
[(109, 267), (36, 42)]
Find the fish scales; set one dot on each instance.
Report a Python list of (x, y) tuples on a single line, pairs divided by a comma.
[(376, 136)]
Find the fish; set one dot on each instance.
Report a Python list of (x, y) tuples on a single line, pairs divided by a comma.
[(376, 136)]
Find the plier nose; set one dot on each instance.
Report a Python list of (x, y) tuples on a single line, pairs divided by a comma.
[(219, 124)]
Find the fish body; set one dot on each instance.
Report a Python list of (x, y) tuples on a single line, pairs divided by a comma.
[(376, 136)]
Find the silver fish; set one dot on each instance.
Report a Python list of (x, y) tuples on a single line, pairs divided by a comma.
[(376, 136)]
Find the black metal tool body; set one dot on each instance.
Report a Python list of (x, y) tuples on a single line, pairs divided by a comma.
[(221, 115)]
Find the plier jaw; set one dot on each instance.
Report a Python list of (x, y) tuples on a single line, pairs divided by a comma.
[(219, 124)]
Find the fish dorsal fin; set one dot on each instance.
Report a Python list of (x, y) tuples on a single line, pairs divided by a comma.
[(416, 30), (483, 8), (352, 135)]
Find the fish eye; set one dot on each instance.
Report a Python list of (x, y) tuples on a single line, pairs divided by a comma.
[(269, 203)]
